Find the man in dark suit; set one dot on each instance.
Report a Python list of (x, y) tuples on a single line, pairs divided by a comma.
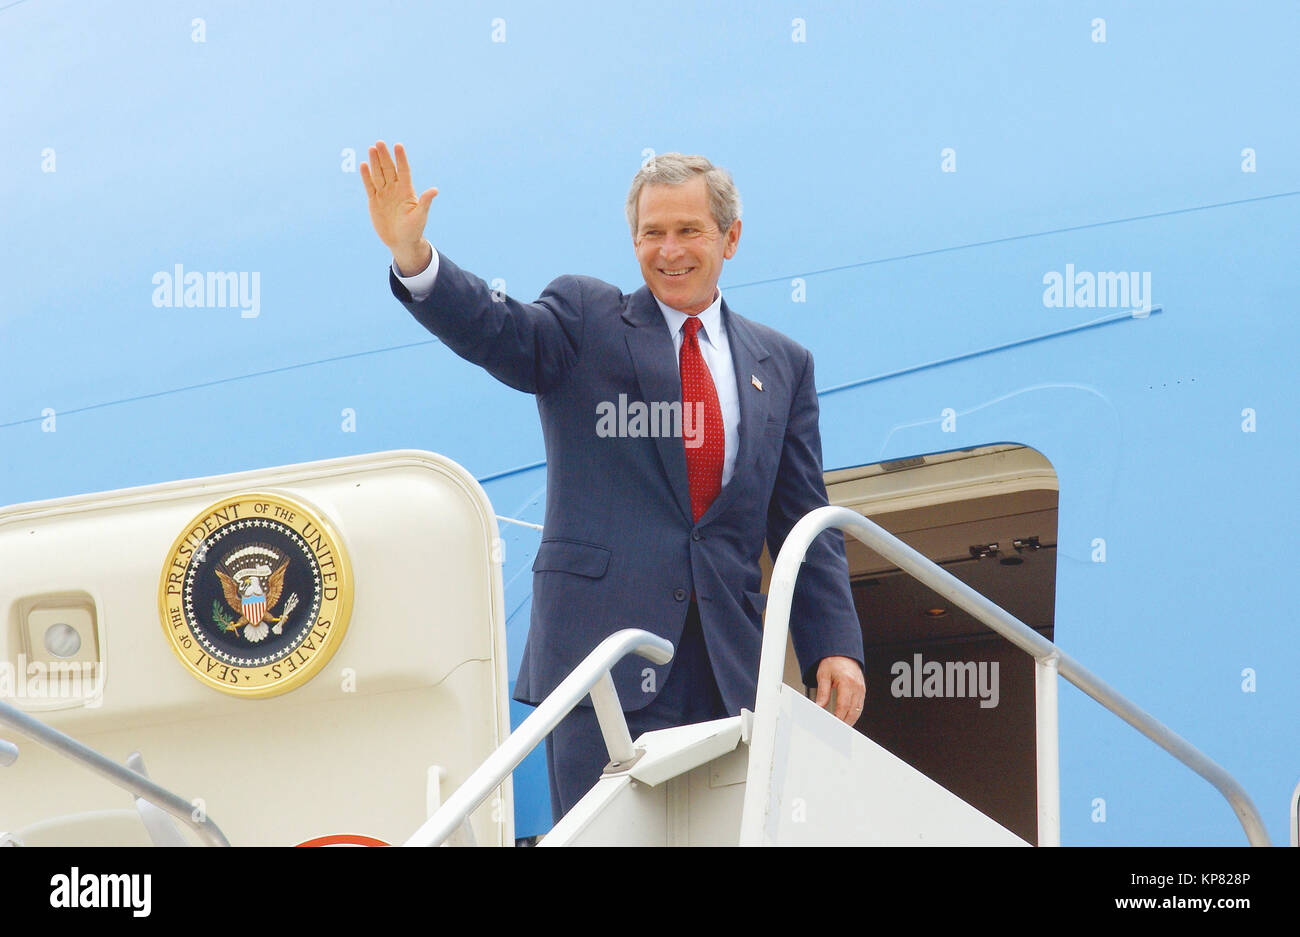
[(679, 436)]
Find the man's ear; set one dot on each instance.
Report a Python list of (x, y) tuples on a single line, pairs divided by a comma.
[(733, 240)]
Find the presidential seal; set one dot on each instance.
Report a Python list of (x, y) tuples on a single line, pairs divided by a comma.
[(255, 594)]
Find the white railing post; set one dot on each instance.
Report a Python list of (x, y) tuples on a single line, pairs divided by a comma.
[(1047, 738), (613, 724)]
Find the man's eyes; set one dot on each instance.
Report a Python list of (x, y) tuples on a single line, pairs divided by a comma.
[(656, 233)]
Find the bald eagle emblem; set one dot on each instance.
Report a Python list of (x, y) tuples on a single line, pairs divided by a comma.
[(252, 579)]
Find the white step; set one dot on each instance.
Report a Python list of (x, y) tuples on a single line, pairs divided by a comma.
[(829, 784)]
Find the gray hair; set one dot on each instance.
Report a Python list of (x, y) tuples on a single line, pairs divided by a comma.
[(676, 169)]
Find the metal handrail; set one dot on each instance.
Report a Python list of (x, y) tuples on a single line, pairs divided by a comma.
[(590, 676), (1047, 656), (122, 776)]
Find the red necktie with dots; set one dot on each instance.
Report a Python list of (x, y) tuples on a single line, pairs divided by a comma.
[(706, 440)]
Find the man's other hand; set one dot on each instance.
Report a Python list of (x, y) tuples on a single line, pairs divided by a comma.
[(398, 216), (844, 676)]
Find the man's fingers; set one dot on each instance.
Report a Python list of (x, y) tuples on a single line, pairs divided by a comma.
[(366, 180), (842, 676), (427, 197), (858, 698), (376, 168), (403, 167), (844, 698), (386, 161)]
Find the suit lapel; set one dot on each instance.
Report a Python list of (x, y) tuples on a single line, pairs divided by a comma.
[(660, 379), (746, 354)]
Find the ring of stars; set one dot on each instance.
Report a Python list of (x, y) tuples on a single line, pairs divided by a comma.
[(197, 628)]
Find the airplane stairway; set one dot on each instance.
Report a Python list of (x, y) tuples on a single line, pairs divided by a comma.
[(791, 773)]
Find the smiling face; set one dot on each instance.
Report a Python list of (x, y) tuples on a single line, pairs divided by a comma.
[(679, 246)]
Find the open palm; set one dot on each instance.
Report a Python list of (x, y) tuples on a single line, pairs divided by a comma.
[(398, 216)]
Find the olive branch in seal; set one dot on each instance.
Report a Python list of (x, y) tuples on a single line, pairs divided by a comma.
[(224, 621)]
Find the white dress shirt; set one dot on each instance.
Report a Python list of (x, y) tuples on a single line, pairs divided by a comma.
[(715, 349)]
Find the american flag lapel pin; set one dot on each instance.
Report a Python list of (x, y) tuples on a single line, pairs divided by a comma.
[(756, 382)]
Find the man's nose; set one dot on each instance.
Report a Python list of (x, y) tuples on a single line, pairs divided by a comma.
[(671, 247)]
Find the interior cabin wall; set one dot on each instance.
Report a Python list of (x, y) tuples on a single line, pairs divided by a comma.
[(945, 693)]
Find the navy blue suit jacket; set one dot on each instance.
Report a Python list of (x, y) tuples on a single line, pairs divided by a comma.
[(619, 547)]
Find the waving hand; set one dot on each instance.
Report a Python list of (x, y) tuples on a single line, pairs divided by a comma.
[(398, 216)]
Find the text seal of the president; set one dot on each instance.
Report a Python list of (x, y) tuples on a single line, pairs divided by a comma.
[(255, 594)]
